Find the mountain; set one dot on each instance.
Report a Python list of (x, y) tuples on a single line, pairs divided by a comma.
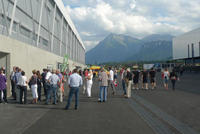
[(158, 37), (153, 51), (113, 48), (118, 48)]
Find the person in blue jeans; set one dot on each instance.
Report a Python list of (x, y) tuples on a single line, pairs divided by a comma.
[(53, 81), (74, 81), (103, 79)]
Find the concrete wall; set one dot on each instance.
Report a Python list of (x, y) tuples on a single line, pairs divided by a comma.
[(29, 57), (180, 44)]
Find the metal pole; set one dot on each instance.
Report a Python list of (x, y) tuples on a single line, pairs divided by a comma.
[(61, 38), (67, 40), (54, 16), (40, 20), (12, 19)]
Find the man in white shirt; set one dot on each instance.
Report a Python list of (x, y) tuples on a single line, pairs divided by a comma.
[(47, 84), (74, 81), (111, 79), (53, 80), (23, 87)]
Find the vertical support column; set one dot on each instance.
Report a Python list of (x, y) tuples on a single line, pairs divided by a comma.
[(8, 69), (199, 48), (61, 38), (74, 47), (40, 20), (12, 19), (54, 16), (188, 51), (192, 50), (67, 40)]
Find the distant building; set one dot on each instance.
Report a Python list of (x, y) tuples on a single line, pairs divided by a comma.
[(37, 34), (187, 47)]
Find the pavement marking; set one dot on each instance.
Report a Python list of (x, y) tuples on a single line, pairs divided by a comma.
[(33, 122), (181, 127), (157, 126)]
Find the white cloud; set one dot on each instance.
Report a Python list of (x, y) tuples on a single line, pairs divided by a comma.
[(95, 19)]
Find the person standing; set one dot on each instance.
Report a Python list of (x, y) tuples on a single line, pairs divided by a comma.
[(48, 88), (23, 87), (89, 83), (152, 75), (173, 77), (123, 79), (3, 85), (111, 79), (39, 85), (44, 73), (60, 85), (145, 79), (53, 81), (128, 82), (103, 78), (166, 78), (85, 80), (17, 76), (33, 86), (136, 74), (74, 81), (13, 85)]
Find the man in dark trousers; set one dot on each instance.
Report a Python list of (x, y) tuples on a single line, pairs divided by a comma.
[(74, 81), (44, 81)]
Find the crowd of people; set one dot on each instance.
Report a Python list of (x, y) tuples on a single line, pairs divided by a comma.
[(129, 78), (52, 82)]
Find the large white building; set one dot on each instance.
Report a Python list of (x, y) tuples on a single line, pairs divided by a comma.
[(187, 46), (37, 34)]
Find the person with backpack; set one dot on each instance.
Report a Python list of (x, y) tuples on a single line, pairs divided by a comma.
[(33, 86), (3, 86), (174, 78), (166, 78)]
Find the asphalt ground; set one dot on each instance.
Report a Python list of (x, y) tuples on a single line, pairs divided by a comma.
[(147, 112), (183, 103)]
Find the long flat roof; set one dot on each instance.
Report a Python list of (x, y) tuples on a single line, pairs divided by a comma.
[(192, 31), (63, 10)]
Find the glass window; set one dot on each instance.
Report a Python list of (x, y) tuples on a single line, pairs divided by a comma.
[(34, 37), (15, 26), (44, 42), (24, 31)]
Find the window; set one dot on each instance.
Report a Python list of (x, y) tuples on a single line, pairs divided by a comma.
[(4, 20), (24, 31), (34, 37), (44, 42), (15, 26)]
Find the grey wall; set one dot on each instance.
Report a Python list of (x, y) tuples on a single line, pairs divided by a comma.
[(26, 25), (180, 44)]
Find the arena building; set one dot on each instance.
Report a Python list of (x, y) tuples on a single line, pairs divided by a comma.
[(37, 34), (187, 47)]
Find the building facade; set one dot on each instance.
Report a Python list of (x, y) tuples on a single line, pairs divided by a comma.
[(187, 46), (37, 34)]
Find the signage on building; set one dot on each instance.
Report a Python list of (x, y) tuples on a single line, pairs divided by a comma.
[(65, 63)]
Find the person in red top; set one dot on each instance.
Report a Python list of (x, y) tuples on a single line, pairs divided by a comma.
[(85, 75), (70, 73)]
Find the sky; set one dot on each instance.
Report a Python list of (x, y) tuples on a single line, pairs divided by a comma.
[(96, 19)]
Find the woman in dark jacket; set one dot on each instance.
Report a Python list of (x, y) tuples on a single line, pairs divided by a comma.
[(39, 85), (173, 77)]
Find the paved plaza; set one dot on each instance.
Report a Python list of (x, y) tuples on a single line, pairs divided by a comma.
[(156, 111)]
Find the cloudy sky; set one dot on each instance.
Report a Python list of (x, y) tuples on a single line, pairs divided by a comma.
[(95, 19)]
